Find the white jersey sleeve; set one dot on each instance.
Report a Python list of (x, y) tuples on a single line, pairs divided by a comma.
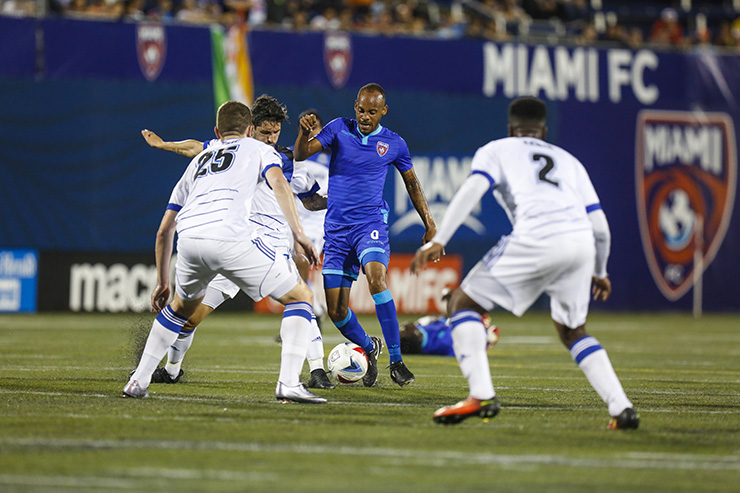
[(302, 183)]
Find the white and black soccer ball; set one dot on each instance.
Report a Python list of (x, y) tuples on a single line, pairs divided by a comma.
[(347, 362)]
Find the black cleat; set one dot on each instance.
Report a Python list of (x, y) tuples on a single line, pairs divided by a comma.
[(627, 420), (400, 374), (160, 375), (371, 377), (451, 415), (319, 380)]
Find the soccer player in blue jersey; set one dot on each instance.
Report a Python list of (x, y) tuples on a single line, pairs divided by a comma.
[(356, 226)]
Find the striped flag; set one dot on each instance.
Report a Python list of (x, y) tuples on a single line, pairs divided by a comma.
[(232, 68)]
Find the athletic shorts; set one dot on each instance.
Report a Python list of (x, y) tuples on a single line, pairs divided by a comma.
[(253, 267), (515, 272), (347, 247)]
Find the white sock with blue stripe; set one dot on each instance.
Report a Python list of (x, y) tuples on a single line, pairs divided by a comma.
[(176, 352), (595, 364), (315, 352), (295, 331), (469, 344), (165, 329)]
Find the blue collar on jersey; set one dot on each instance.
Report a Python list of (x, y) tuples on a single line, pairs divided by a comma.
[(365, 137)]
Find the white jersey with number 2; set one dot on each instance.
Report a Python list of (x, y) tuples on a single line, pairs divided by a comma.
[(544, 189)]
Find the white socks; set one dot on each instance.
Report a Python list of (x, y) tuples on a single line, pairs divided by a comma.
[(177, 351), (163, 334), (295, 332), (315, 353), (469, 344), (595, 364)]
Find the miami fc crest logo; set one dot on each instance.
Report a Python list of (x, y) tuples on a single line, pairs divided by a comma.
[(685, 174), (151, 48), (382, 148), (338, 57)]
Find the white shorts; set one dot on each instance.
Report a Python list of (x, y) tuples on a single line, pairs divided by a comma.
[(253, 267), (515, 272)]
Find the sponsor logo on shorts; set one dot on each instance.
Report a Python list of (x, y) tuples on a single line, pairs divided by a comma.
[(151, 49), (685, 177), (382, 148)]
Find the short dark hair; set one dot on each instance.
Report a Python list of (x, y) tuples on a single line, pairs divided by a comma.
[(528, 109), (372, 87), (233, 117), (268, 109), (313, 112)]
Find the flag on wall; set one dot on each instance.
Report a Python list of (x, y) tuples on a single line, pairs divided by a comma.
[(232, 68)]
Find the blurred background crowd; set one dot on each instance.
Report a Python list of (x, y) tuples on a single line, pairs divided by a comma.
[(658, 23)]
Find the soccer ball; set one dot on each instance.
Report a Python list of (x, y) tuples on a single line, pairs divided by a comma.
[(347, 362)]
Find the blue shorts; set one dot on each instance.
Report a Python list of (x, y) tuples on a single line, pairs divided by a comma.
[(347, 247)]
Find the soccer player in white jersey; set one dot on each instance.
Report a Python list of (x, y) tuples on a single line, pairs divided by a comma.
[(317, 168), (267, 116), (559, 245), (209, 209)]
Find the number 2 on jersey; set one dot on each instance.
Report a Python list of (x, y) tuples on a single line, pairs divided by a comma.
[(549, 164), (216, 162)]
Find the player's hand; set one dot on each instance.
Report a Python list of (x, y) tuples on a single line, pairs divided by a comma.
[(308, 123), (304, 247), (428, 235), (151, 138), (430, 251), (601, 289), (160, 297)]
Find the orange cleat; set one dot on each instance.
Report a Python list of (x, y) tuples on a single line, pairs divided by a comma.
[(451, 415)]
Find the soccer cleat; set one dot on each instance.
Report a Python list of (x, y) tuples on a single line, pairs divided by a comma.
[(400, 374), (319, 380), (627, 420), (371, 376), (451, 415), (132, 389), (299, 393), (160, 375)]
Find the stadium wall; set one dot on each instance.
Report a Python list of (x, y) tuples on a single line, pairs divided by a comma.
[(656, 131)]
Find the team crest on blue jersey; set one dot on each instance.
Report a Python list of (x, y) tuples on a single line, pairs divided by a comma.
[(151, 49), (338, 57), (382, 148), (685, 177)]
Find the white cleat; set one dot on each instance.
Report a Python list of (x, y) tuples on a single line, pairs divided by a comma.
[(133, 389), (299, 393)]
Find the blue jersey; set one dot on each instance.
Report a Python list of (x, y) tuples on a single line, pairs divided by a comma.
[(436, 336), (357, 170)]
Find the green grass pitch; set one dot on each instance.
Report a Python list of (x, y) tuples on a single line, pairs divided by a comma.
[(64, 426)]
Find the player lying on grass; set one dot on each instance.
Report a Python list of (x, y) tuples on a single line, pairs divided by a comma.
[(559, 245), (267, 116), (432, 334), (210, 209)]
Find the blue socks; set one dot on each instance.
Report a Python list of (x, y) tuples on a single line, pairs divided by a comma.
[(353, 331), (385, 309)]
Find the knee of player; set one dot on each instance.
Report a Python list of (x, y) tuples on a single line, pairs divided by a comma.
[(460, 301), (570, 335), (337, 313)]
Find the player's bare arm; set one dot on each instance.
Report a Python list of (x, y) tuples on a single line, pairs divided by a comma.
[(315, 202), (305, 145), (601, 289), (284, 196), (416, 194), (188, 148), (162, 253)]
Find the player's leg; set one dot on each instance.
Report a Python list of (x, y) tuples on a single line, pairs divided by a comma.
[(315, 354), (295, 332), (337, 289), (469, 343), (192, 277), (165, 329), (385, 310), (569, 300)]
